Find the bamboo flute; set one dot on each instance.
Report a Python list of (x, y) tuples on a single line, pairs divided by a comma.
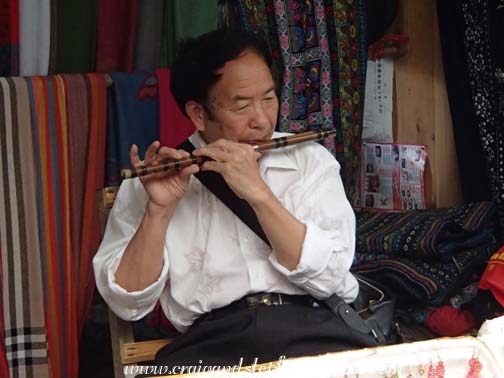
[(166, 165)]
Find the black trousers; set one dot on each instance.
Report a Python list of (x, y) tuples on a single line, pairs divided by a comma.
[(237, 335)]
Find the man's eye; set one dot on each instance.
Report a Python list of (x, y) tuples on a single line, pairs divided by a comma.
[(268, 98), (243, 107)]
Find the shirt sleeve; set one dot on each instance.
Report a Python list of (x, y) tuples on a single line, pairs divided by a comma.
[(318, 200), (123, 221)]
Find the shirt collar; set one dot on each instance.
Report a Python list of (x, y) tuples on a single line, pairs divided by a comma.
[(278, 158)]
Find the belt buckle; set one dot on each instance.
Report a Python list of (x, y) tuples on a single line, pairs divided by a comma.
[(265, 299)]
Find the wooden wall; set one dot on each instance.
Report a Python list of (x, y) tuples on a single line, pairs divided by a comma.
[(421, 110)]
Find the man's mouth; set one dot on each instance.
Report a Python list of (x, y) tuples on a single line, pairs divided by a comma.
[(252, 142)]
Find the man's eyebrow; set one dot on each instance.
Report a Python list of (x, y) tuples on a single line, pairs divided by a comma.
[(243, 98)]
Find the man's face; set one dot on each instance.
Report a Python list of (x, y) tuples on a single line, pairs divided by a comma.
[(243, 102)]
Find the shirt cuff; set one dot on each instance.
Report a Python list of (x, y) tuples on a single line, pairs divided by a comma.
[(318, 247), (136, 304)]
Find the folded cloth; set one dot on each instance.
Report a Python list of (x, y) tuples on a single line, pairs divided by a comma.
[(424, 234), (421, 282)]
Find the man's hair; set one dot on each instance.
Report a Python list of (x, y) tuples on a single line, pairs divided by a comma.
[(198, 60)]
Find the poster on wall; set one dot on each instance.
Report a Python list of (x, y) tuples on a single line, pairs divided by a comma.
[(392, 176), (378, 103)]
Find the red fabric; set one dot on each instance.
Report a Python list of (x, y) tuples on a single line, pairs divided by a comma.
[(493, 276), (174, 127), (448, 321), (9, 22), (95, 176), (116, 35), (158, 319), (9, 38)]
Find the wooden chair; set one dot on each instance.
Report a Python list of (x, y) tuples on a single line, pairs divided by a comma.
[(125, 351)]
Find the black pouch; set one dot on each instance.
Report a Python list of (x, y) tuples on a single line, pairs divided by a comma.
[(371, 314)]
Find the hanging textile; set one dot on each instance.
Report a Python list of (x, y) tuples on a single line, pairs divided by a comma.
[(184, 19), (117, 21), (133, 118), (174, 127), (148, 35), (50, 135), (23, 264), (473, 57), (86, 105), (73, 36), (78, 130), (34, 36), (319, 50), (9, 38)]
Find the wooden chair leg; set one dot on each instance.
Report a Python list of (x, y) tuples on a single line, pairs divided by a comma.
[(121, 332)]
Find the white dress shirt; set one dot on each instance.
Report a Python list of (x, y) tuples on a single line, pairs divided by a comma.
[(211, 258)]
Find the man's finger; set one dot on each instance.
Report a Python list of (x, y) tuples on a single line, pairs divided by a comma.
[(134, 157), (213, 153), (150, 154), (212, 166)]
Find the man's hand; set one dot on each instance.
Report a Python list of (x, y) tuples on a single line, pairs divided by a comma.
[(165, 189), (237, 163)]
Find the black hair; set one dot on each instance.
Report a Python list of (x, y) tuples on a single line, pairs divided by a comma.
[(194, 72)]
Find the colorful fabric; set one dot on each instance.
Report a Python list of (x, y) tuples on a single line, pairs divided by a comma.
[(416, 282), (423, 234), (473, 54), (349, 19), (34, 36), (117, 23), (133, 118), (48, 211), (86, 114), (9, 38), (174, 127), (425, 255), (148, 35), (78, 131), (50, 136), (24, 285), (73, 36), (319, 51)]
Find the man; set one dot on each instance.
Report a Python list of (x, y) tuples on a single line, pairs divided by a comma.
[(169, 238)]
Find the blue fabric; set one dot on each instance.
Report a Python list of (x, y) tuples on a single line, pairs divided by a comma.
[(132, 118)]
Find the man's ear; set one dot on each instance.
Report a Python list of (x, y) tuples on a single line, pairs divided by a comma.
[(197, 114)]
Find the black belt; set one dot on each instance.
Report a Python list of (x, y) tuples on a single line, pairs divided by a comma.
[(253, 301)]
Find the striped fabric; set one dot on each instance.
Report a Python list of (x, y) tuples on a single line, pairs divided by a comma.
[(22, 266), (53, 149), (425, 255), (49, 124), (90, 235), (424, 234), (417, 282)]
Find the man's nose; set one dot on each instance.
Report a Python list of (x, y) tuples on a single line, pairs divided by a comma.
[(259, 116)]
